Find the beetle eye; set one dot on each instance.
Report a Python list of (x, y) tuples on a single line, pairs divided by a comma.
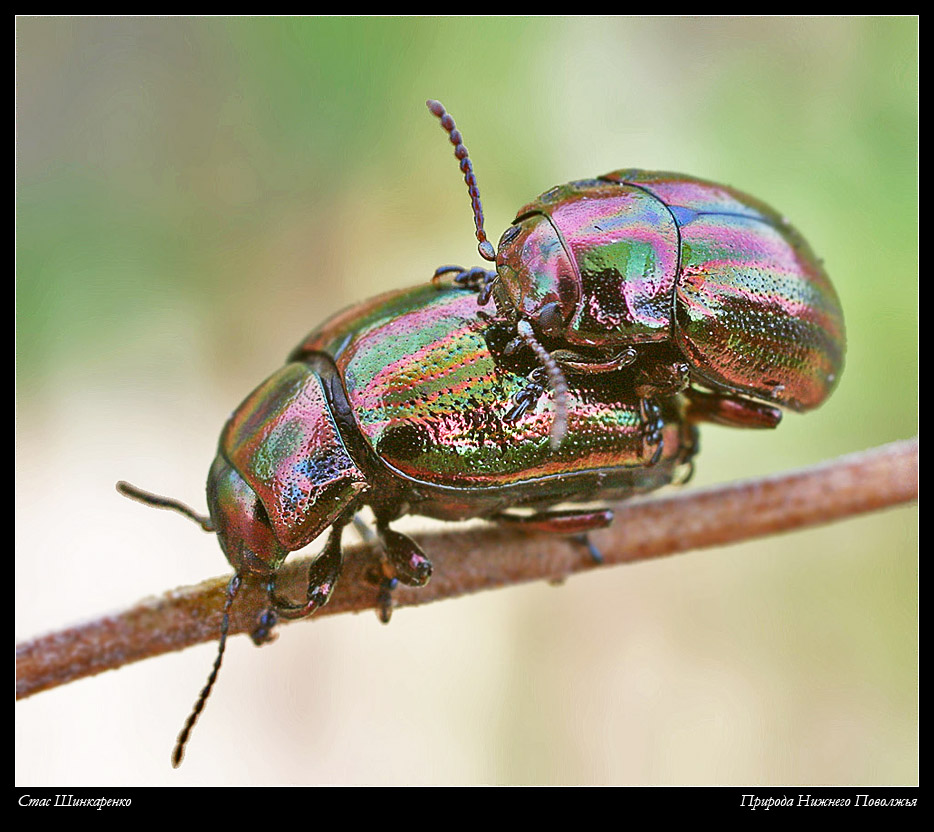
[(550, 321), (510, 234)]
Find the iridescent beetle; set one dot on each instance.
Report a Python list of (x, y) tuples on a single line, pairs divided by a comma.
[(696, 284), (398, 404)]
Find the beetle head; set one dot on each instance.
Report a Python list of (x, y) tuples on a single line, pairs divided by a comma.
[(537, 280), (242, 522)]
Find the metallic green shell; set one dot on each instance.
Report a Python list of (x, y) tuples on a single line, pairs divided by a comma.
[(429, 388), (285, 444)]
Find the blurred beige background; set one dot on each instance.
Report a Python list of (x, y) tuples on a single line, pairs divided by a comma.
[(194, 195)]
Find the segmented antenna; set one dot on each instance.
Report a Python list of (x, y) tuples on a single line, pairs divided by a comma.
[(556, 379), (156, 501), (232, 588), (485, 247)]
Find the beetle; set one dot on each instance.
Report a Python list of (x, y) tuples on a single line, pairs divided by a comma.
[(699, 285), (398, 404)]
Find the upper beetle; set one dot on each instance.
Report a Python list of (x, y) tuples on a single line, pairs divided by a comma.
[(697, 284)]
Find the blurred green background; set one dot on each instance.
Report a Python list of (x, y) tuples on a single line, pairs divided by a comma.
[(194, 195)]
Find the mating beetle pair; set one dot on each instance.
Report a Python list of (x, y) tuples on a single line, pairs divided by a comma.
[(627, 291)]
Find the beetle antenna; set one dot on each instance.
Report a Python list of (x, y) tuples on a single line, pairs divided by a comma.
[(179, 752), (485, 247), (559, 427), (154, 500)]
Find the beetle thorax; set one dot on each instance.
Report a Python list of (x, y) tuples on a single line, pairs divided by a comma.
[(598, 261)]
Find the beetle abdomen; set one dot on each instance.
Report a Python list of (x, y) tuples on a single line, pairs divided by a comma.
[(755, 314), (754, 310), (430, 390)]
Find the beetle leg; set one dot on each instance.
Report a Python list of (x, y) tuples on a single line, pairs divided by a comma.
[(411, 565), (732, 411), (381, 573), (322, 575), (573, 362), (523, 399), (367, 535), (662, 379), (407, 563), (403, 561), (652, 426), (686, 476), (384, 599), (595, 554), (569, 522), (476, 279), (576, 523), (443, 270), (266, 621), (483, 297), (654, 380)]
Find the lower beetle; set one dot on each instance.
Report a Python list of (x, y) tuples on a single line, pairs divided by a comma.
[(595, 274), (398, 404)]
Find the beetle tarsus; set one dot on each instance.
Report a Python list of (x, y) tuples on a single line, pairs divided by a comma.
[(653, 425), (409, 563), (524, 398), (443, 270), (400, 560), (322, 576), (486, 291), (264, 632), (687, 476), (476, 279)]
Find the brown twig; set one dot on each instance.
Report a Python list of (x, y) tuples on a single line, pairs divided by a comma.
[(471, 559)]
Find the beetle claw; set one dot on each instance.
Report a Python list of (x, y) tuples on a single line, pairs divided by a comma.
[(263, 633), (384, 603), (595, 554)]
